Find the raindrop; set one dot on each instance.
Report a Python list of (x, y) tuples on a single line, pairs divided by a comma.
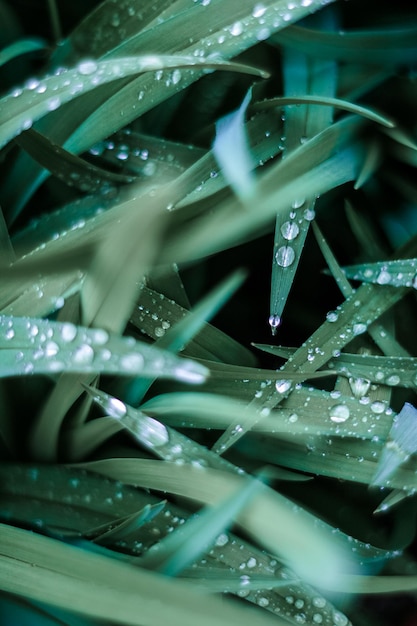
[(359, 386), (296, 204), (309, 215), (340, 619), (68, 332), (332, 316), (87, 67), (115, 408), (394, 379), (359, 329), (263, 602), (100, 336), (318, 618), (285, 256), (378, 407), (51, 349), (318, 602), (153, 433), (259, 10), (282, 385), (339, 413), (293, 418), (236, 29), (289, 230), (251, 562), (132, 362), (83, 355), (274, 321), (176, 76), (383, 278), (222, 540), (54, 103)]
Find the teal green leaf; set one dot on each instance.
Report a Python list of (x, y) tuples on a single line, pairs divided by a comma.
[(398, 273), (37, 346), (23, 46)]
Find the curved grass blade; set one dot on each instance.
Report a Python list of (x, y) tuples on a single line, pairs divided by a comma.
[(394, 46), (336, 103), (101, 587), (35, 346), (183, 547), (22, 108), (23, 46), (269, 508), (231, 150), (398, 273), (69, 168)]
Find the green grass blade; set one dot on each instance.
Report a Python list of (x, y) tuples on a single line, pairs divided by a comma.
[(23, 46)]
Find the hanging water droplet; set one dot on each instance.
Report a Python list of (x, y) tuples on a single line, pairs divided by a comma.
[(339, 413), (289, 230), (274, 321), (285, 256)]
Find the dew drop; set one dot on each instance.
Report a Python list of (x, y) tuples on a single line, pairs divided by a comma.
[(251, 562), (51, 349), (285, 256), (83, 355), (274, 321), (318, 602), (53, 103), (264, 602), (339, 413), (297, 203), (68, 332), (359, 329), (176, 76), (100, 336), (383, 278), (87, 68), (154, 433), (392, 380), (115, 408), (332, 316), (309, 215), (282, 385), (259, 10), (378, 407), (236, 29), (359, 386), (132, 362), (222, 540), (290, 230)]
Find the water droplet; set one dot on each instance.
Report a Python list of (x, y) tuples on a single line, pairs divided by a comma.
[(259, 10), (9, 333), (251, 562), (176, 76), (393, 379), (383, 278), (53, 103), (359, 386), (339, 413), (318, 602), (332, 316), (222, 540), (83, 355), (297, 203), (87, 67), (263, 601), (293, 418), (115, 408), (132, 362), (51, 349), (290, 230), (318, 618), (236, 29), (309, 215), (359, 329), (340, 619), (285, 256), (282, 385), (68, 332), (274, 321), (378, 407), (153, 433), (100, 336)]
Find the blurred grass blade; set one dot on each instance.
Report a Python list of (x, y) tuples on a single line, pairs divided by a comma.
[(125, 528), (30, 345), (183, 547), (401, 443), (23, 46), (53, 91), (231, 150), (97, 586)]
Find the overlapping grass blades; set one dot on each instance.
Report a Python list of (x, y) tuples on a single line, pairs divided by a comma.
[(121, 217)]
